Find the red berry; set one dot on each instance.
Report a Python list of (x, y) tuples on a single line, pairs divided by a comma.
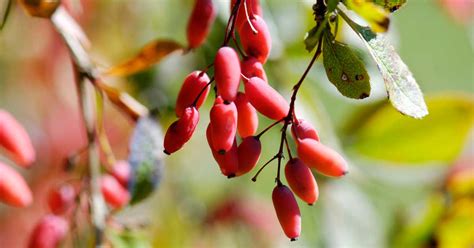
[(301, 181), (122, 172), (257, 44), (181, 130), (61, 199), (251, 67), (114, 193), (287, 211), (200, 22), (227, 73), (249, 153), (253, 8), (49, 232), (194, 83), (15, 140), (322, 158), (247, 118), (265, 99), (14, 190), (303, 130), (228, 162), (224, 125)]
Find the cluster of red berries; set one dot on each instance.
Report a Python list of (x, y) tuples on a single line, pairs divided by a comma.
[(16, 143), (234, 113), (63, 199)]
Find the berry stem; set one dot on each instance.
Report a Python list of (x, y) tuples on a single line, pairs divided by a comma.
[(201, 92), (288, 150), (231, 23), (206, 69), (268, 128), (248, 18), (237, 45), (289, 116), (254, 178)]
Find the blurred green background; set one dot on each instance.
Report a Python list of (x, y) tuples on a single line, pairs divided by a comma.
[(398, 192)]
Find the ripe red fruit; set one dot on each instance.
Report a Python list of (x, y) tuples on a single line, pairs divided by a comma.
[(301, 181), (13, 189), (251, 67), (49, 232), (249, 153), (181, 130), (61, 199), (253, 8), (200, 22), (15, 140), (228, 162), (287, 211), (122, 171), (303, 130), (194, 83), (322, 158), (265, 99), (227, 73), (224, 125), (114, 193), (247, 118), (257, 44)]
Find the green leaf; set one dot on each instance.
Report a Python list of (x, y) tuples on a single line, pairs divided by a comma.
[(440, 137), (376, 16), (344, 69), (402, 88), (311, 40), (5, 7), (390, 5), (332, 4), (313, 36), (146, 158)]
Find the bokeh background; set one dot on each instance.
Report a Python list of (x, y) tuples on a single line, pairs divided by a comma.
[(400, 191)]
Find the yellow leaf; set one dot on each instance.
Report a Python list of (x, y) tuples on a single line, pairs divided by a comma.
[(376, 16), (150, 54)]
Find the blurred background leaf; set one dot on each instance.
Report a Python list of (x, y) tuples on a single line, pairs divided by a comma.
[(439, 137)]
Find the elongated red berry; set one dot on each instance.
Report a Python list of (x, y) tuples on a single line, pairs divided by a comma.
[(61, 199), (257, 44), (114, 193), (227, 73), (265, 99), (253, 8), (50, 231), (193, 85), (122, 172), (251, 67), (247, 118), (13, 189), (322, 158), (200, 22), (224, 125), (15, 140), (287, 211), (301, 181), (228, 162), (303, 130), (181, 130), (249, 153)]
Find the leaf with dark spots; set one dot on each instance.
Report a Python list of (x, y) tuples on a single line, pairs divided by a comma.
[(344, 69)]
